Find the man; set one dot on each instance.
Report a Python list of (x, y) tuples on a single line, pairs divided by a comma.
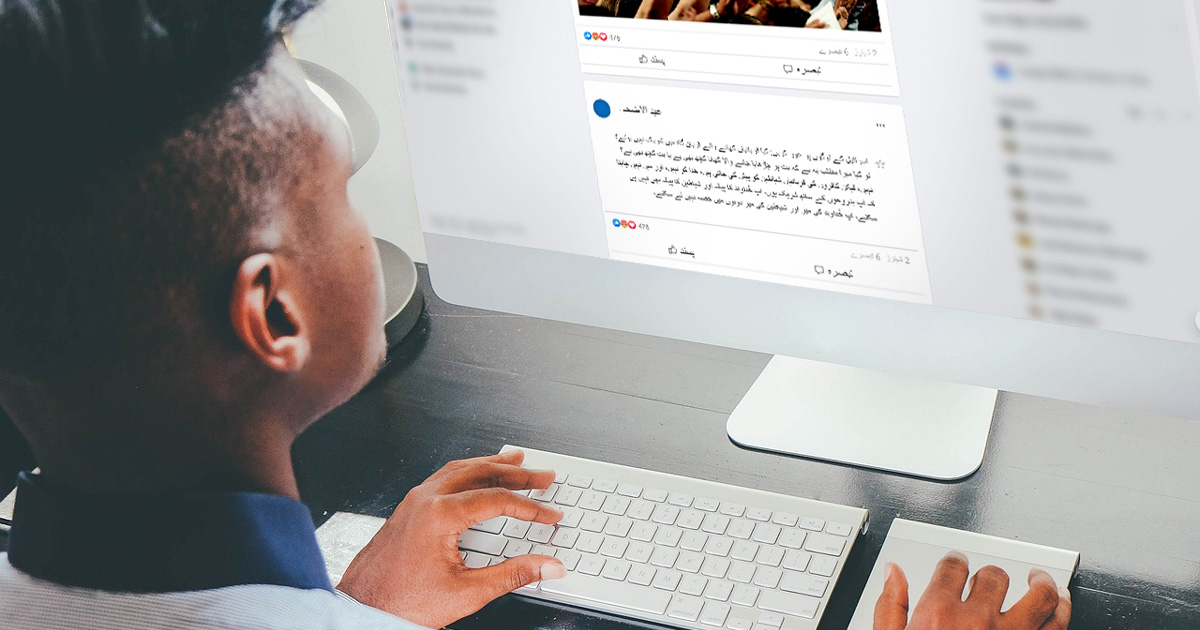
[(184, 288)]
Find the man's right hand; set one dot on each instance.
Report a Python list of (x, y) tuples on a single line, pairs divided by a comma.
[(1044, 607)]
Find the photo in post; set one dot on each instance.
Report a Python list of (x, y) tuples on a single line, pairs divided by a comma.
[(846, 15)]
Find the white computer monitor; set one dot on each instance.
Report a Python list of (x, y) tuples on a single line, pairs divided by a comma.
[(960, 198)]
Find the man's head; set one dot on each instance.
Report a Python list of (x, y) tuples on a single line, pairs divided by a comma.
[(175, 233)]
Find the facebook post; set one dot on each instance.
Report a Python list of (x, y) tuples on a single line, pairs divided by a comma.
[(822, 45)]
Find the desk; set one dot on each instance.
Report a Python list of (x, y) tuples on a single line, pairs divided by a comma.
[(1122, 489)]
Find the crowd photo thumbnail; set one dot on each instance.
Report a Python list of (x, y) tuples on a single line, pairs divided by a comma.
[(847, 15)]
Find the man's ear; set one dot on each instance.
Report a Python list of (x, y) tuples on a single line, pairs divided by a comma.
[(265, 317)]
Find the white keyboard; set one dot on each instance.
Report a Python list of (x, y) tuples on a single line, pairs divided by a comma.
[(677, 551)]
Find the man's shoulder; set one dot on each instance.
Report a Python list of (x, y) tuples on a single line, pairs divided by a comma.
[(32, 603)]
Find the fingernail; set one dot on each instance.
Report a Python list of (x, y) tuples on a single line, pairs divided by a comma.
[(957, 555), (1064, 593), (1036, 573), (553, 571), (889, 570)]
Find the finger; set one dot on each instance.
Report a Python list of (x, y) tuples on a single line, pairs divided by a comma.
[(948, 580), (494, 475), (513, 458), (476, 506), (988, 588), (1037, 605), (1062, 614), (891, 611), (484, 585)]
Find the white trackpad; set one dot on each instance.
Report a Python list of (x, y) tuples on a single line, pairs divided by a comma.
[(918, 547)]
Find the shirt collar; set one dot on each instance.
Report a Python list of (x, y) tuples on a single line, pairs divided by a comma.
[(160, 544)]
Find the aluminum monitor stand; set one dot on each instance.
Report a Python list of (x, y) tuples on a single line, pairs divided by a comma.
[(866, 418)]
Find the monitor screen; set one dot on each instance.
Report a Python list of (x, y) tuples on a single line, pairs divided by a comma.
[(1024, 159)]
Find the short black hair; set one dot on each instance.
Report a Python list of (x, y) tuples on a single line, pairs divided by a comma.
[(131, 155)]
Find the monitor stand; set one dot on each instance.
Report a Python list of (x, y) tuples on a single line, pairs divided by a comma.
[(866, 418)]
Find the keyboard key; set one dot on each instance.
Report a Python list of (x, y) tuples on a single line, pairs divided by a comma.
[(544, 550), (516, 548), (718, 546), (718, 590), (767, 577), (589, 542), (593, 522), (785, 519), (715, 524), (540, 533), (685, 608), (616, 570), (544, 496), (797, 560), (654, 496), (787, 604), (560, 478), (492, 526), (766, 533), (772, 620), (591, 500), (744, 595), (579, 481), (640, 510), (491, 544), (740, 528), (642, 575), (758, 514), (690, 519), (668, 536), (639, 552), (664, 558), (814, 524), (591, 565), (680, 500), (570, 559), (571, 517), (706, 505), (568, 495), (693, 585), (741, 572), (803, 584), (629, 490), (618, 526), (743, 550), (714, 614), (693, 541), (667, 580), (839, 529), (609, 592), (732, 509), (739, 623), (665, 514), (823, 565), (516, 529), (715, 567), (604, 485), (643, 531), (824, 543), (769, 556), (565, 538), (616, 505), (614, 547), (792, 538), (689, 562), (476, 560)]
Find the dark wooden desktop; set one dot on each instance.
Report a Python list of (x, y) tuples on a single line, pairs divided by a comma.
[(1121, 488)]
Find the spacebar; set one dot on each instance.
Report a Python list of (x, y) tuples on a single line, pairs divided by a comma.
[(641, 598)]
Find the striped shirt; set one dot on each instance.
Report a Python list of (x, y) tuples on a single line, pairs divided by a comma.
[(233, 560)]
